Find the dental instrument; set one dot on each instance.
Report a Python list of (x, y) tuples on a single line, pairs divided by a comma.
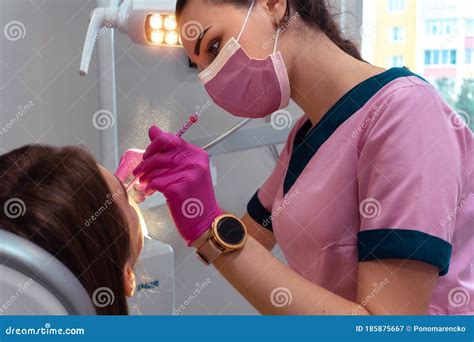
[(191, 121)]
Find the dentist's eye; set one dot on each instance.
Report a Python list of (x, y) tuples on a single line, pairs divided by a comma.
[(214, 48)]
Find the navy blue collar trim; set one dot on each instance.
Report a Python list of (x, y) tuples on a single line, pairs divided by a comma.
[(305, 146)]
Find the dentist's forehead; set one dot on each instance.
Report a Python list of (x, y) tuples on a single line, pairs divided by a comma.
[(199, 15)]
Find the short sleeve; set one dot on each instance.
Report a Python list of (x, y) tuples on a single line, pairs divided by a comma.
[(410, 178), (260, 205)]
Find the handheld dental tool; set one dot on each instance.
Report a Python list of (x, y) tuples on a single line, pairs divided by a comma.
[(133, 157), (191, 121)]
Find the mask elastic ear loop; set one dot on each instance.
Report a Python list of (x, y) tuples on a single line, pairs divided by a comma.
[(246, 19), (276, 40)]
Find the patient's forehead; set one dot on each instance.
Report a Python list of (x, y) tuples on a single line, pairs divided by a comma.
[(114, 184), (117, 192)]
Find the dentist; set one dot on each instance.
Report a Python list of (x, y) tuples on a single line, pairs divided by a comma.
[(371, 199)]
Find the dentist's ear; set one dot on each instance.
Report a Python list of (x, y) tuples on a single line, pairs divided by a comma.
[(129, 282), (277, 10)]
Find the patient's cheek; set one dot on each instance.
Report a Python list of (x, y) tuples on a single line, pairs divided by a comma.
[(136, 223)]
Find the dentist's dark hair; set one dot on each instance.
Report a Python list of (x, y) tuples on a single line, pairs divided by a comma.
[(316, 14), (62, 188)]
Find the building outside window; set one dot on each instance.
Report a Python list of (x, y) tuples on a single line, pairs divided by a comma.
[(433, 38), (397, 34), (440, 57), (469, 56), (440, 27), (396, 61), (396, 5), (470, 27)]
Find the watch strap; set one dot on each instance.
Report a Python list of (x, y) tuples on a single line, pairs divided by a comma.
[(209, 251)]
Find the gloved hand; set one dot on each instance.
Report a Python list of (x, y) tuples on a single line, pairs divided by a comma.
[(181, 172)]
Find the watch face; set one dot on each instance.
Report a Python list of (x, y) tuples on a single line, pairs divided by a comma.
[(230, 231)]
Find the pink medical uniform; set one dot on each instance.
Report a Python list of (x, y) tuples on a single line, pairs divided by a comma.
[(385, 174)]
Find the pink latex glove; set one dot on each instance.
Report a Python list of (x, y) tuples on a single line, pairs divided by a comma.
[(181, 172), (129, 161)]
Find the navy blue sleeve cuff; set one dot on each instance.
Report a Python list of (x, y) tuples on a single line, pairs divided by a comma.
[(259, 213), (404, 244)]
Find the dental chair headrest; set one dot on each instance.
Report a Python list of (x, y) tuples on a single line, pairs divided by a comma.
[(34, 282)]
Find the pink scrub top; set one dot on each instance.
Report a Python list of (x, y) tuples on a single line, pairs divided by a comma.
[(385, 174)]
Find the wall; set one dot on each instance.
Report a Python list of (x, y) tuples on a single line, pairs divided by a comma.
[(42, 97)]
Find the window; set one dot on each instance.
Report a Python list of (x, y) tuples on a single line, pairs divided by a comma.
[(447, 26), (439, 27), (396, 61), (436, 57), (445, 57), (397, 34), (454, 58), (396, 5), (430, 28), (440, 57), (428, 57), (469, 56), (470, 27)]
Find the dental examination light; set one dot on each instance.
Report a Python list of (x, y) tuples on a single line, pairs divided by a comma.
[(147, 22)]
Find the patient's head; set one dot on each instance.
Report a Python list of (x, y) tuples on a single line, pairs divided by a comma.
[(79, 212)]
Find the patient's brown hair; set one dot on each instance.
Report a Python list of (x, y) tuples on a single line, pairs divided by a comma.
[(61, 189)]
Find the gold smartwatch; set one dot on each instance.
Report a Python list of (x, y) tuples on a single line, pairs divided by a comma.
[(227, 234)]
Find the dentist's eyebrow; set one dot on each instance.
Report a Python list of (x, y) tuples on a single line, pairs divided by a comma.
[(197, 47)]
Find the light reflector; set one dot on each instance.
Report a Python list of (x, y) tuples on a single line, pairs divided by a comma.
[(162, 29)]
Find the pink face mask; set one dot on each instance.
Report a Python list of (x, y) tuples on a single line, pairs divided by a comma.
[(247, 87)]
